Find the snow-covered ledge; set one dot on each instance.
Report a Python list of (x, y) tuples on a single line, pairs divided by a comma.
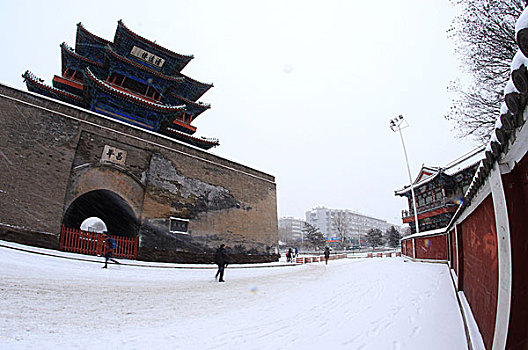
[(502, 224)]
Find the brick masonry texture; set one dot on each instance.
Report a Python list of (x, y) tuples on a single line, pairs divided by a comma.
[(52, 171)]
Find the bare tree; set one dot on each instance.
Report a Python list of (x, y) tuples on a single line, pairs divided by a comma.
[(341, 225), (484, 38)]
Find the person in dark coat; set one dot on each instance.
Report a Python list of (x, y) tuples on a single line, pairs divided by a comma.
[(327, 255), (109, 247), (222, 260)]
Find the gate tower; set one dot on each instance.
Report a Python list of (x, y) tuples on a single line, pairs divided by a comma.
[(131, 79)]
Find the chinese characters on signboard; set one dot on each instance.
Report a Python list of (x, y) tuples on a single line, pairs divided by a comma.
[(178, 225), (113, 155), (147, 56)]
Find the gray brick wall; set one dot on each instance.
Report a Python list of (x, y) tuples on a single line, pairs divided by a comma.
[(51, 155)]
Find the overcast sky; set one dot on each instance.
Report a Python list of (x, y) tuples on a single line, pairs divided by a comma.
[(303, 90)]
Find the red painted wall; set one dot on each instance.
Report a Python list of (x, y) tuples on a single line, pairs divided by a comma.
[(479, 264), (402, 243), (409, 248), (432, 248), (516, 189), (453, 255)]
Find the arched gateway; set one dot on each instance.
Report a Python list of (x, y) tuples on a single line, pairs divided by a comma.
[(108, 192), (111, 208)]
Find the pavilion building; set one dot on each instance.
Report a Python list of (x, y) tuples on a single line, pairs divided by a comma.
[(131, 79), (439, 191)]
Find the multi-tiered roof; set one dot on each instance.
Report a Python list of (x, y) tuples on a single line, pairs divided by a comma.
[(131, 79)]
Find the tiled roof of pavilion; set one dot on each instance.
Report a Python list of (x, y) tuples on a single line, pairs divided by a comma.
[(143, 67), (88, 43), (36, 84), (199, 87), (67, 50), (128, 96), (123, 30), (430, 173), (211, 142), (80, 27), (193, 103)]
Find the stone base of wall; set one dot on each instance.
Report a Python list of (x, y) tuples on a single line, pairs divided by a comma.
[(171, 256), (51, 241), (29, 237)]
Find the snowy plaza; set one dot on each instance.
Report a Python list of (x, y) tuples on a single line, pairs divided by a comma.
[(49, 302)]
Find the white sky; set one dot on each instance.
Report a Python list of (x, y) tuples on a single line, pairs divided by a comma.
[(303, 90), (93, 224)]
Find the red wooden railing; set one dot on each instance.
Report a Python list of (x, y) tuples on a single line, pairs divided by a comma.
[(92, 243)]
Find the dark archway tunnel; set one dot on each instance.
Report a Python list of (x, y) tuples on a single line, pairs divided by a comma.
[(116, 213)]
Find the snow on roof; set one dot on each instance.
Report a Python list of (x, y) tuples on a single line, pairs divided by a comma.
[(522, 22), (510, 87), (467, 160), (518, 60), (437, 231)]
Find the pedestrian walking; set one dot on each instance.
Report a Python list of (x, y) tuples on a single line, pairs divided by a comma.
[(327, 255), (109, 247), (222, 260)]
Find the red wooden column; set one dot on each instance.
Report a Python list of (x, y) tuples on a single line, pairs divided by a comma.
[(100, 244), (61, 242)]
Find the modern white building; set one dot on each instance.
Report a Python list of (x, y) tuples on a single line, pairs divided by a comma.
[(351, 223), (290, 230)]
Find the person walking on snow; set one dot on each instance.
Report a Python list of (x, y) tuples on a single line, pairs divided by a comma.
[(327, 255), (109, 246), (289, 255), (221, 259)]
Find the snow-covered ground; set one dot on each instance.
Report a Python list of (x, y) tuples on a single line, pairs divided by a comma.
[(379, 303)]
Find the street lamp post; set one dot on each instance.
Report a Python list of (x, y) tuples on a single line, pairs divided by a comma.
[(302, 240), (397, 124)]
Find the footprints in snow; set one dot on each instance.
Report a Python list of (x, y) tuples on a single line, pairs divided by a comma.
[(415, 331)]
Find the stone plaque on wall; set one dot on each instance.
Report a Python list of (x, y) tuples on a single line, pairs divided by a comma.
[(113, 155)]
